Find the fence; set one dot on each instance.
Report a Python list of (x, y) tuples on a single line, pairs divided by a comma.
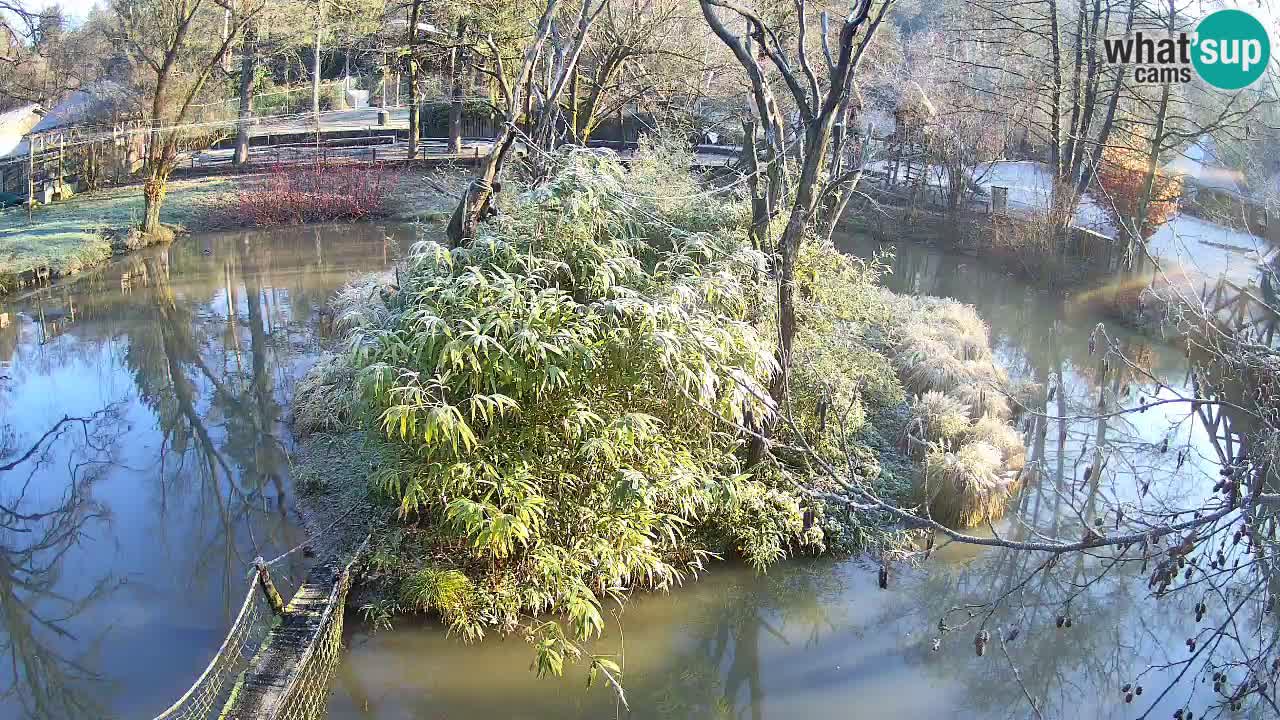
[(60, 162), (1240, 309), (306, 697), (275, 668), (214, 687)]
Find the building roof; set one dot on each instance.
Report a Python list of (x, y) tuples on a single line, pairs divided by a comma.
[(85, 105), (15, 124), (1201, 165)]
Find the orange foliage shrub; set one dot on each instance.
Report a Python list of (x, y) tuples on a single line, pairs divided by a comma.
[(1123, 175)]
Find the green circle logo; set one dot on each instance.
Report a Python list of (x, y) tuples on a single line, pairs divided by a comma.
[(1231, 49)]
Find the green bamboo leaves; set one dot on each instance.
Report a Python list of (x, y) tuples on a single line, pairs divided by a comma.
[(548, 397)]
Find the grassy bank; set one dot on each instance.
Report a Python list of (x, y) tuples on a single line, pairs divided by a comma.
[(68, 237)]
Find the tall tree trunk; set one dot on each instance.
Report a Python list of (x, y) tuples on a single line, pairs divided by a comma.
[(817, 136), (248, 68), (415, 129), (759, 205), (456, 62), (153, 193), (315, 68)]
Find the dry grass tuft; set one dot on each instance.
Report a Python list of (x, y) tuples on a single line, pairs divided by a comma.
[(325, 398), (959, 428), (942, 345), (997, 433), (966, 487), (943, 418), (981, 399), (931, 368), (961, 327)]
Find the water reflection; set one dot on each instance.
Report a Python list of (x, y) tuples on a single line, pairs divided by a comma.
[(124, 544), (49, 680), (818, 639)]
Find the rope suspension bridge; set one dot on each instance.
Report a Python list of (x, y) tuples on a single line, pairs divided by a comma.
[(276, 661)]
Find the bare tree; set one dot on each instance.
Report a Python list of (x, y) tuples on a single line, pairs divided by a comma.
[(457, 88), (517, 96), (34, 53), (816, 200), (248, 72), (176, 46), (411, 69), (1054, 52), (642, 51)]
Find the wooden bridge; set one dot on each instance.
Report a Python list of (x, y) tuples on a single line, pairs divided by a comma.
[(277, 660), (288, 679), (1242, 308)]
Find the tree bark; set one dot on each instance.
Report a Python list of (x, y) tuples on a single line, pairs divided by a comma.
[(248, 68), (759, 206), (457, 64), (415, 129), (153, 193)]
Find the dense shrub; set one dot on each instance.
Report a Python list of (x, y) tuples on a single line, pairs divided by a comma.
[(548, 397), (1122, 175), (839, 377), (942, 418), (966, 487), (317, 192)]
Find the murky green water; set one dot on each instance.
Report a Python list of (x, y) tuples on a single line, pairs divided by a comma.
[(125, 540), (818, 639)]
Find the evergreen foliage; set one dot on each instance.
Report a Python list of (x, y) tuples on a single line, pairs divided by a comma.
[(550, 397)]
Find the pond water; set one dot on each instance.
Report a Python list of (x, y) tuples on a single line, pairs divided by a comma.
[(818, 639), (125, 539)]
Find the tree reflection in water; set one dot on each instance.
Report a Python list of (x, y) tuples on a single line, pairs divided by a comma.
[(1162, 460), (48, 668), (199, 343)]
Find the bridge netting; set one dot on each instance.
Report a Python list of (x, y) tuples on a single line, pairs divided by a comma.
[(274, 666)]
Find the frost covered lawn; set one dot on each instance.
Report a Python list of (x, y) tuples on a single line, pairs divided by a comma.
[(68, 237)]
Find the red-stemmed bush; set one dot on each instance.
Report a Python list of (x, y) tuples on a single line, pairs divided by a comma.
[(317, 192)]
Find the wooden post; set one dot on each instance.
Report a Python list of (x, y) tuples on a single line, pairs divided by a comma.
[(31, 174), (269, 588), (999, 200)]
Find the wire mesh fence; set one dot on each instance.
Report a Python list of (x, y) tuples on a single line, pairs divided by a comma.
[(277, 662), (307, 694), (215, 686)]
